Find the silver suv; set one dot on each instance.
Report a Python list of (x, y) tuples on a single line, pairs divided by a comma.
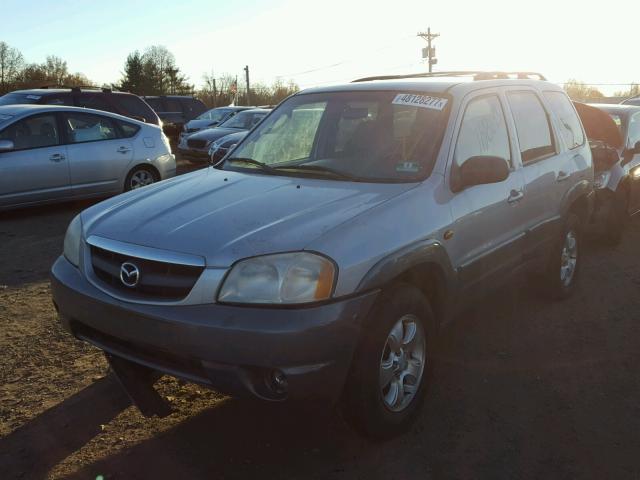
[(320, 258)]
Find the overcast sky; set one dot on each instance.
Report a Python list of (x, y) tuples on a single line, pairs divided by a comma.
[(331, 41)]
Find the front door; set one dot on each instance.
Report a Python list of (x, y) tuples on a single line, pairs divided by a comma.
[(37, 169), (487, 229)]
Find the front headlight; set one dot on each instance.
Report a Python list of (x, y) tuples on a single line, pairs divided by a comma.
[(601, 179), (284, 278), (72, 241), (214, 146)]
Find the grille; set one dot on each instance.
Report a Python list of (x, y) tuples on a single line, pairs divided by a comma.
[(196, 143), (158, 280)]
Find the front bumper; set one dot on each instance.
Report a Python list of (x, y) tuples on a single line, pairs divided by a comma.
[(603, 209), (232, 349)]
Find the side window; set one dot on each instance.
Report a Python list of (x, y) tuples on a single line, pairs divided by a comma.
[(173, 105), (154, 103), (570, 126), (93, 101), (532, 126), (33, 132), (634, 130), (63, 99), (132, 106), (128, 129), (483, 131), (85, 127)]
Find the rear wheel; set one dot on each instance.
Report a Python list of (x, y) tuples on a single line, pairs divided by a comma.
[(392, 366), (139, 177), (564, 263)]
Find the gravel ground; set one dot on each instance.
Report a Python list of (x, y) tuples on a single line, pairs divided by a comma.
[(523, 389)]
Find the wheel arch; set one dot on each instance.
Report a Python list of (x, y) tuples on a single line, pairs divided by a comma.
[(424, 264), (146, 166)]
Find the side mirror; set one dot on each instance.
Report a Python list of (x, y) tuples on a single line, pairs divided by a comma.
[(481, 170), (6, 145)]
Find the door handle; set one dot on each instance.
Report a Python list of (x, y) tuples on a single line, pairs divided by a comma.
[(123, 150), (562, 176), (515, 196), (57, 157)]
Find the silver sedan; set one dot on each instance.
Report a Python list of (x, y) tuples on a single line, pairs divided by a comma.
[(51, 154)]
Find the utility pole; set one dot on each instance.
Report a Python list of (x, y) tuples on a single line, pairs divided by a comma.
[(429, 52), (246, 73), (215, 94)]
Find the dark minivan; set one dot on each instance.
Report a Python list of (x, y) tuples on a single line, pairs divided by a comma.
[(104, 99), (175, 111)]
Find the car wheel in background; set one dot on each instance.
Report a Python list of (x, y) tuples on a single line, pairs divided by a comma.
[(563, 268), (139, 177), (392, 365)]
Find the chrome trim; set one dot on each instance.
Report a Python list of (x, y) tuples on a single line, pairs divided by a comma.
[(146, 253)]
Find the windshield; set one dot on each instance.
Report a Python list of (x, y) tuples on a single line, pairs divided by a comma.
[(243, 120), (215, 115), (376, 136), (18, 98)]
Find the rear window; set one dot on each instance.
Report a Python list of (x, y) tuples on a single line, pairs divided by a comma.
[(19, 98), (570, 125), (132, 106), (173, 105), (532, 126)]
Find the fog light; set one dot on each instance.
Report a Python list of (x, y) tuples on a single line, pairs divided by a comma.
[(279, 382)]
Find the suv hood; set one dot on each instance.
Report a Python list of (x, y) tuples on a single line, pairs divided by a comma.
[(200, 124), (225, 216), (214, 133)]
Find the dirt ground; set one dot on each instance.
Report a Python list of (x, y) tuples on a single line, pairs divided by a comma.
[(523, 389)]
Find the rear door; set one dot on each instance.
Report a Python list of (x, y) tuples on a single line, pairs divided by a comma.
[(37, 169), (488, 229), (98, 155), (545, 166)]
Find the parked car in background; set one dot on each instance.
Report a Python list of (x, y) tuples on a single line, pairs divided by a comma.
[(195, 147), (104, 99), (631, 101), (320, 259), (175, 111), (614, 135), (209, 119), (220, 147), (52, 153)]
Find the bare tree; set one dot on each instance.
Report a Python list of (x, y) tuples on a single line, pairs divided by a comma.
[(11, 65)]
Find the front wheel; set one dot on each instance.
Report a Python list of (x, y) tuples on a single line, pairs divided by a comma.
[(139, 177), (392, 365)]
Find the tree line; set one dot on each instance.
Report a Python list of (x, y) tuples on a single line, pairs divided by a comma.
[(153, 71)]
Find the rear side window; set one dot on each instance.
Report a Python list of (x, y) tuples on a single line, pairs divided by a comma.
[(85, 127), (483, 131), (173, 105), (532, 126), (570, 126), (154, 103), (128, 129), (62, 99), (34, 132), (96, 102), (132, 106)]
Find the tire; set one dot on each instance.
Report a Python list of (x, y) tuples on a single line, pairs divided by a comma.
[(372, 409), (562, 273), (140, 176)]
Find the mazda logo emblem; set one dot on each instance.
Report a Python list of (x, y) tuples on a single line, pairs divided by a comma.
[(129, 274)]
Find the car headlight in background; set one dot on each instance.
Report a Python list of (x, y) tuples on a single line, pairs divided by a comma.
[(213, 147), (284, 278), (72, 241), (601, 179)]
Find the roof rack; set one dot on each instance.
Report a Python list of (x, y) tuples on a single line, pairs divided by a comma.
[(477, 75), (77, 88)]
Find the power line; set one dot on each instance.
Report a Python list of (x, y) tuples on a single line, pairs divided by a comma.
[(430, 51)]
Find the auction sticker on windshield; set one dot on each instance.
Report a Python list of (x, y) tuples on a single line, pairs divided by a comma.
[(424, 101)]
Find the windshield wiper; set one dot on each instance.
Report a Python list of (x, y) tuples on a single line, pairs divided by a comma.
[(319, 169), (251, 161)]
